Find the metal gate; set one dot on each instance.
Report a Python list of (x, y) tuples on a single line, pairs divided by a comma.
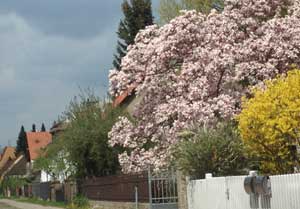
[(163, 190)]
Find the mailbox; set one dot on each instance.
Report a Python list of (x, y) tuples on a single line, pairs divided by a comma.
[(257, 185), (261, 185), (248, 184)]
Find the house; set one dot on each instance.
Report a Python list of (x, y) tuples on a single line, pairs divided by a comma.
[(8, 158), (7, 154), (58, 128), (36, 141), (12, 165), (128, 99), (15, 167)]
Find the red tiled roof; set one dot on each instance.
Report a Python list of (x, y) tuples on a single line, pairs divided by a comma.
[(36, 141), (123, 96)]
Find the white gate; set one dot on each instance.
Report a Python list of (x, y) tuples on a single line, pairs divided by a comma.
[(199, 196), (229, 193)]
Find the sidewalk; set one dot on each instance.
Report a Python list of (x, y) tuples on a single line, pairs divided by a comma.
[(22, 205)]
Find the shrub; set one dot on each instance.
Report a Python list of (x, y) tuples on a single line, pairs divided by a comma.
[(218, 151), (269, 123), (13, 183), (80, 202)]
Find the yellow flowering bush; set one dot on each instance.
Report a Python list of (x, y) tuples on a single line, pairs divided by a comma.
[(269, 123)]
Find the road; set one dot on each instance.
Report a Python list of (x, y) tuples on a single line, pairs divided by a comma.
[(10, 204), (4, 206)]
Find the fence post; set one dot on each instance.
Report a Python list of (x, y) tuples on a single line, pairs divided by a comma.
[(136, 197), (208, 176), (182, 190), (150, 188)]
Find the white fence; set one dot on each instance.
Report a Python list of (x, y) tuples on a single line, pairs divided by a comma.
[(229, 193)]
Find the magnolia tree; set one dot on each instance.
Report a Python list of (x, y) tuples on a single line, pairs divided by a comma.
[(194, 71)]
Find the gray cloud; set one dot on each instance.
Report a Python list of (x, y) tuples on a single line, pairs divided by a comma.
[(76, 18), (39, 73), (47, 50)]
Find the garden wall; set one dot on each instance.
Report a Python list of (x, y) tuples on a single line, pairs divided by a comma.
[(119, 188), (41, 190), (229, 193)]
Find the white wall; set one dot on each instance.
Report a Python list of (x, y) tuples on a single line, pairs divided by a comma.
[(285, 191), (228, 193), (45, 177)]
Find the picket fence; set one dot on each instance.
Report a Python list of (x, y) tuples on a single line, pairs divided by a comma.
[(229, 193)]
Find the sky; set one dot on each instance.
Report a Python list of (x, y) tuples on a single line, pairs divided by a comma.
[(48, 51)]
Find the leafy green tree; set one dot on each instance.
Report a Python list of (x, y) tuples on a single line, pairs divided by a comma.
[(22, 143), (137, 15), (54, 161), (169, 9), (85, 139), (43, 128), (218, 151)]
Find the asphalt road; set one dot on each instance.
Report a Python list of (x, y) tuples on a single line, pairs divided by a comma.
[(10, 204), (4, 206)]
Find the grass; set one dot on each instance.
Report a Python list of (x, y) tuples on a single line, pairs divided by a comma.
[(72, 206)]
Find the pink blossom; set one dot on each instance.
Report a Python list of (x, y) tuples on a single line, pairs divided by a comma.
[(195, 69)]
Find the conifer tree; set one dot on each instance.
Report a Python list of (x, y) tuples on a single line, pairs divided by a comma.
[(33, 128), (43, 128), (137, 15), (22, 142)]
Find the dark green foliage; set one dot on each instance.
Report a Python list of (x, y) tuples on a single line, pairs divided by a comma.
[(33, 128), (218, 151), (22, 143), (43, 128), (137, 15)]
